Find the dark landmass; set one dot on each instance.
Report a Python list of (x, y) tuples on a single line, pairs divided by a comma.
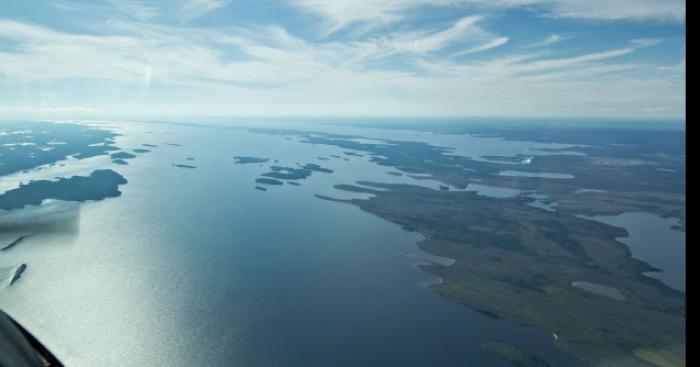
[(150, 145), (323, 158), (353, 154), (18, 273), (288, 173), (96, 150), (173, 144), (293, 183), (517, 263), (247, 160), (183, 165), (316, 168), (630, 138), (394, 173), (13, 243), (622, 163), (515, 356), (139, 150), (444, 188), (260, 188), (122, 155), (99, 185), (120, 161), (26, 145), (269, 181)]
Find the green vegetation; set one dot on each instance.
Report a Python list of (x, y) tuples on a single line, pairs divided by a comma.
[(316, 168), (248, 160), (122, 155), (269, 181), (636, 170), (515, 356), (288, 173), (28, 145), (517, 263), (183, 166), (99, 185)]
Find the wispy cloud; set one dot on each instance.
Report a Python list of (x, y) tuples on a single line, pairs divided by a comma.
[(497, 42), (135, 8), (191, 9), (548, 41), (465, 30), (368, 57), (272, 67), (342, 13)]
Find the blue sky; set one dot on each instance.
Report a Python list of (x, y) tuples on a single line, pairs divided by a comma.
[(214, 58)]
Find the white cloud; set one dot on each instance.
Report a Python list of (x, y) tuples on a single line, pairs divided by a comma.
[(464, 29), (660, 10), (135, 8), (191, 9), (497, 42), (548, 41), (267, 70), (342, 13)]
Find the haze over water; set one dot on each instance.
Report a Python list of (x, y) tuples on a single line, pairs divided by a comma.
[(212, 271)]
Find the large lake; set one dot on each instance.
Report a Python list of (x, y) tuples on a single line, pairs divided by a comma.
[(197, 267)]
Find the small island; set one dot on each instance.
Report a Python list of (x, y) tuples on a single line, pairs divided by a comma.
[(515, 356), (248, 160), (183, 166), (13, 243), (288, 173), (269, 181), (18, 273), (122, 155), (316, 168)]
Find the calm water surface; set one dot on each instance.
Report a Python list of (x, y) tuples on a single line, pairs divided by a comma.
[(196, 267)]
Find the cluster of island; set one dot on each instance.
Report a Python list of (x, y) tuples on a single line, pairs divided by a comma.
[(278, 175), (532, 258), (33, 145)]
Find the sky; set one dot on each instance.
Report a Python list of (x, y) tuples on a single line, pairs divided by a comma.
[(345, 58)]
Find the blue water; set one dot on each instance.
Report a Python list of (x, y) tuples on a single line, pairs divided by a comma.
[(653, 239), (196, 267)]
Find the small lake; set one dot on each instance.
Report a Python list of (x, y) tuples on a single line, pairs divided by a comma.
[(513, 173), (599, 289), (653, 239)]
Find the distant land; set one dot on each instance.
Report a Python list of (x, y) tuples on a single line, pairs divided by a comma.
[(516, 262), (99, 185), (248, 160)]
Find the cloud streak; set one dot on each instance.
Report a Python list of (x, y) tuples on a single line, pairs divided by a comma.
[(441, 68), (343, 13)]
